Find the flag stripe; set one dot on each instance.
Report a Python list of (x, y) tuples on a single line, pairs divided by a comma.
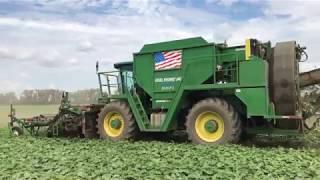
[(164, 62), (172, 66), (169, 63), (168, 60), (171, 53), (172, 56)]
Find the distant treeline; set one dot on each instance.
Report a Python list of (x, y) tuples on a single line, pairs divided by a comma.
[(49, 96)]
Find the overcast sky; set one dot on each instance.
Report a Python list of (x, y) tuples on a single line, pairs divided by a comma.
[(55, 43)]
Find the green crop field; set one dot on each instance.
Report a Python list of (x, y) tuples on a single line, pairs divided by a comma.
[(29, 157), (25, 111), (46, 158)]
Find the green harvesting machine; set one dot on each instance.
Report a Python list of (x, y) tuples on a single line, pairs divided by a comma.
[(215, 92)]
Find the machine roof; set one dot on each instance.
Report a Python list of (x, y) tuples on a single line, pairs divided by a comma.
[(170, 45), (121, 64)]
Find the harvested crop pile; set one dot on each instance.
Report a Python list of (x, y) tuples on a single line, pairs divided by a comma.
[(44, 158)]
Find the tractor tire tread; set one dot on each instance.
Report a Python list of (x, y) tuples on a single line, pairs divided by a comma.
[(130, 130), (231, 115)]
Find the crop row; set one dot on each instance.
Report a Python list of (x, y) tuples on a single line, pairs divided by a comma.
[(44, 158)]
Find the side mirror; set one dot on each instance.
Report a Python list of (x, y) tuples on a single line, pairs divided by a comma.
[(97, 66)]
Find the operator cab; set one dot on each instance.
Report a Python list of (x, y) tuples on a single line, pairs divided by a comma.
[(125, 73), (115, 82), (124, 66)]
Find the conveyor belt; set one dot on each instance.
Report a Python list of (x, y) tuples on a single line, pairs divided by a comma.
[(283, 83), (310, 78), (284, 75)]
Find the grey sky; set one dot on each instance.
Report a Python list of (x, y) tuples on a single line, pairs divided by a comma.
[(55, 44)]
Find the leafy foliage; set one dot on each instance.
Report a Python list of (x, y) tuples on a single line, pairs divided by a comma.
[(44, 158), (310, 98)]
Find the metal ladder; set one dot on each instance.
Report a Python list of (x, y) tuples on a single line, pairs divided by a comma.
[(138, 109)]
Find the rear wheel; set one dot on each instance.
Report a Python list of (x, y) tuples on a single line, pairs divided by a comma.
[(213, 121), (116, 122)]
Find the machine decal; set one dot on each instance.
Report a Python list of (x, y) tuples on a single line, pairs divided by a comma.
[(168, 79), (167, 60), (167, 83), (167, 88)]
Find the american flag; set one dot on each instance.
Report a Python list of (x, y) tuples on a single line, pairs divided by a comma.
[(167, 60)]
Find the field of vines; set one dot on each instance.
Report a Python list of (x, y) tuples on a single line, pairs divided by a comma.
[(47, 158)]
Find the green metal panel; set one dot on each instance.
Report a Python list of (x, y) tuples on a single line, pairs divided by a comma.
[(163, 100), (171, 116), (230, 54), (274, 131), (170, 45), (198, 64), (213, 87), (166, 80), (194, 66), (253, 73), (143, 72), (158, 84), (255, 99)]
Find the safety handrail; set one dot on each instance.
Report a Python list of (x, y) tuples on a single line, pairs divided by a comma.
[(114, 82), (110, 81), (234, 70)]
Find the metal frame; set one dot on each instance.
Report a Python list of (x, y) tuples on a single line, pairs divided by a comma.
[(31, 125)]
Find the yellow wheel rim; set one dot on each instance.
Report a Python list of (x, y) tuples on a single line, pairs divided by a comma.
[(209, 126), (109, 122)]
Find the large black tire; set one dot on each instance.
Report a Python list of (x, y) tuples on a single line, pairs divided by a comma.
[(231, 121), (130, 128)]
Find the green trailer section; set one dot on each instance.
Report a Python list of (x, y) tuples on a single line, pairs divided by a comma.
[(167, 90), (234, 84)]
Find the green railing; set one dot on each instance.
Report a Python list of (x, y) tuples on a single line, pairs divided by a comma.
[(226, 71), (110, 83)]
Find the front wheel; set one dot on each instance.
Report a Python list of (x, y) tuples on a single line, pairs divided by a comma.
[(213, 121), (116, 122)]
